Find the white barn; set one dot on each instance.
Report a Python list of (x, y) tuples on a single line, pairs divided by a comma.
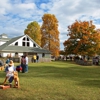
[(20, 45)]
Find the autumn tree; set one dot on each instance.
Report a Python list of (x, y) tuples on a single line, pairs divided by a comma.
[(33, 30), (50, 34), (62, 52), (83, 39)]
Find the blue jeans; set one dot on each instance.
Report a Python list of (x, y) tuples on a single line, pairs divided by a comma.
[(11, 79), (26, 68), (23, 68)]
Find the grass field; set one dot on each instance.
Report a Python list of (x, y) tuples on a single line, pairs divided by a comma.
[(55, 81)]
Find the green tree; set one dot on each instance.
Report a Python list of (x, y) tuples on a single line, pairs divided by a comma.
[(33, 30), (50, 34), (83, 39)]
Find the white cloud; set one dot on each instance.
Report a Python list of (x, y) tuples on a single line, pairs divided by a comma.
[(15, 15), (69, 11), (4, 6)]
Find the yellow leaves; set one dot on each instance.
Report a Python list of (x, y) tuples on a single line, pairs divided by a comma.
[(50, 34), (33, 30)]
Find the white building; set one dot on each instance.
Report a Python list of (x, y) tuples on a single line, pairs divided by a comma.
[(20, 45)]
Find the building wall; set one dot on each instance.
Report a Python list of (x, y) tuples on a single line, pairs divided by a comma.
[(20, 41), (12, 54), (1, 42), (46, 58), (42, 56)]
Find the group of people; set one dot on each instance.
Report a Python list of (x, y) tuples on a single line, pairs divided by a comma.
[(10, 68), (96, 60), (35, 58)]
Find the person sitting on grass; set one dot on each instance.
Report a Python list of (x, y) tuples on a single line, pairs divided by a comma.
[(10, 73)]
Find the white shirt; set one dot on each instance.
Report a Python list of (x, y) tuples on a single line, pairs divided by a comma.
[(10, 71), (26, 60)]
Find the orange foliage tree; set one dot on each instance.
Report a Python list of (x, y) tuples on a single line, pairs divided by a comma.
[(83, 39), (50, 34)]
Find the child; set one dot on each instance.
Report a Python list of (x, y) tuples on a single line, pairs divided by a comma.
[(10, 72)]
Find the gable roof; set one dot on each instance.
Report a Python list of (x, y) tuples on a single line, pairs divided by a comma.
[(4, 39), (10, 41), (33, 41), (22, 49), (7, 48)]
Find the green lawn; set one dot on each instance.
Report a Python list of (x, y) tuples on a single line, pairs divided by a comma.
[(55, 81)]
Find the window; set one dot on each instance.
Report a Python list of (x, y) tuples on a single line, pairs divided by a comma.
[(16, 43), (27, 39), (24, 38), (43, 54), (34, 45), (23, 43), (26, 42), (16, 54)]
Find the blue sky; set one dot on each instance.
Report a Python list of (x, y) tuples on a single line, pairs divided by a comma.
[(15, 15)]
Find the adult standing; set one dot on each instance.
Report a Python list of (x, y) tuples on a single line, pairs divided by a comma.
[(23, 64), (34, 58), (26, 58), (37, 58)]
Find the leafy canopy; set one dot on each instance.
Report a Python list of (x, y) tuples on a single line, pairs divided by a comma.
[(50, 34), (33, 30), (83, 39)]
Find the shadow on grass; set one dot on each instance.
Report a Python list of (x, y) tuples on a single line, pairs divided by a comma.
[(85, 76), (90, 83)]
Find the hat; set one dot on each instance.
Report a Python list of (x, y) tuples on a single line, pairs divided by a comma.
[(11, 63)]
